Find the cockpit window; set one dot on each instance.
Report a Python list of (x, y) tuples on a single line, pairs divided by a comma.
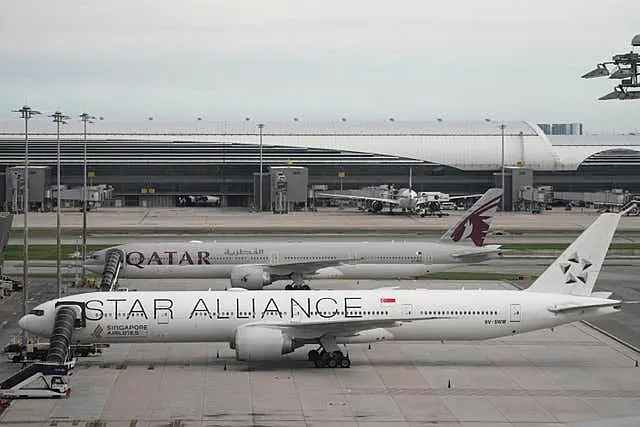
[(37, 312)]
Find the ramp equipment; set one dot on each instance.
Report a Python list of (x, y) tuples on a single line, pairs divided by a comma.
[(51, 375), (113, 263)]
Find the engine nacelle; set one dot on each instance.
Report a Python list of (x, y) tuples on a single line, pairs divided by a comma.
[(254, 343), (249, 277)]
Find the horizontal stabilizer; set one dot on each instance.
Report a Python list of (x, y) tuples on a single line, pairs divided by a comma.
[(601, 294), (573, 308)]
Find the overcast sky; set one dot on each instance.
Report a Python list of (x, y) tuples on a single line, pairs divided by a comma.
[(274, 60)]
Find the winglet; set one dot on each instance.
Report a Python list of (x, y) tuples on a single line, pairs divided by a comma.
[(576, 270), (473, 227)]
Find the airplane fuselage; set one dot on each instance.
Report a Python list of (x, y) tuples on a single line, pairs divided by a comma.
[(359, 260), (211, 316)]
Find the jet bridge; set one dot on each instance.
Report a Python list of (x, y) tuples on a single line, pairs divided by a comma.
[(50, 375), (113, 263)]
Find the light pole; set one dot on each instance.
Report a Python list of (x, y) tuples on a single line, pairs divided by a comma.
[(59, 118), (26, 113), (502, 126), (86, 118), (260, 127)]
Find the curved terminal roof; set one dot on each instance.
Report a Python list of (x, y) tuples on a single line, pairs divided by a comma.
[(462, 145)]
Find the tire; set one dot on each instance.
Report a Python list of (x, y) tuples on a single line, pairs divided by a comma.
[(337, 355), (305, 288), (332, 363), (345, 363), (320, 363), (313, 355), (288, 287)]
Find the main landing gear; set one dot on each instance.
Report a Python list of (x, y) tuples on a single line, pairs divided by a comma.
[(329, 355), (297, 287), (324, 359), (298, 283)]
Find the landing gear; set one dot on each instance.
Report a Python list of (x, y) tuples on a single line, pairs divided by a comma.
[(324, 359), (295, 287), (298, 283)]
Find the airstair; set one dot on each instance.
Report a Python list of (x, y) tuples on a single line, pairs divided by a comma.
[(46, 379), (113, 263)]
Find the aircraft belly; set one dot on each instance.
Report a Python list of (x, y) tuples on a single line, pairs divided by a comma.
[(372, 271), (205, 271)]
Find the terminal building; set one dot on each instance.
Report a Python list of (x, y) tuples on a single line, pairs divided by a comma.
[(155, 162)]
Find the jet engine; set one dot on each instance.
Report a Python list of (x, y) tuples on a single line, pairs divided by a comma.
[(254, 343), (250, 277)]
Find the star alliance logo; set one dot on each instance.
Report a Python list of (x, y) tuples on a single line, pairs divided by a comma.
[(575, 269), (97, 332)]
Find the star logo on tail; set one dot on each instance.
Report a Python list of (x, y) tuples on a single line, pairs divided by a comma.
[(575, 269)]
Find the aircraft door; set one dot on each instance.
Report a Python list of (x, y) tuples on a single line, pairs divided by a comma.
[(515, 313), (274, 258), (426, 257), (163, 317), (407, 309)]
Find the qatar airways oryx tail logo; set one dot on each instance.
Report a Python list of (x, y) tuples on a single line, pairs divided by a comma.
[(476, 225)]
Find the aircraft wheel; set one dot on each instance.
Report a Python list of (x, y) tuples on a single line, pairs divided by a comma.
[(332, 363), (288, 287), (305, 287), (337, 355), (320, 363), (345, 363), (313, 355)]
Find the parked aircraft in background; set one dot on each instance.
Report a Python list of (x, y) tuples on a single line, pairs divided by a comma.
[(253, 265), (195, 200), (375, 199), (267, 324)]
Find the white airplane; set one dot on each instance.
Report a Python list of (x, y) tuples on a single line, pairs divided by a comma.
[(406, 199), (263, 325), (253, 265)]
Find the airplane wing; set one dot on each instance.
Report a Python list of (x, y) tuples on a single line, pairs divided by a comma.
[(472, 253), (358, 197), (306, 266), (337, 328), (468, 196)]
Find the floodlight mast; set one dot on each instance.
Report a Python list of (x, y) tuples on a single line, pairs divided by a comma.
[(58, 118), (86, 118), (627, 72), (26, 113)]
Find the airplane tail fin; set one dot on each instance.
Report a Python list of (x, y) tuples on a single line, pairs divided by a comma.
[(474, 225), (576, 270)]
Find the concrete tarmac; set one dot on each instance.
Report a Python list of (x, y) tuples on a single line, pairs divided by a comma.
[(544, 378), (220, 219)]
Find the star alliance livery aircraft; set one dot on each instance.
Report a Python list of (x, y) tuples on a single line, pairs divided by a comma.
[(263, 325), (253, 265)]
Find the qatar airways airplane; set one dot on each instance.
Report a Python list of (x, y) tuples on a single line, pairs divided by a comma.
[(263, 325), (253, 265)]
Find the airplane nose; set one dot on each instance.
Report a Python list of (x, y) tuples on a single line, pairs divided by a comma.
[(24, 322)]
